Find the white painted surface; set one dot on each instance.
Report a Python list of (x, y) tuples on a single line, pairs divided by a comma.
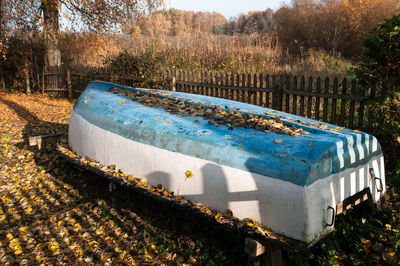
[(288, 209)]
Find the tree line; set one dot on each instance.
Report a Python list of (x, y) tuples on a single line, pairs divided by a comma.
[(330, 25)]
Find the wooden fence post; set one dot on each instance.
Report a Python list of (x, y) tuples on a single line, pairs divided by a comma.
[(287, 97), (361, 109), (309, 98), (334, 100), (69, 85), (326, 100), (294, 102), (277, 96), (173, 80), (343, 110)]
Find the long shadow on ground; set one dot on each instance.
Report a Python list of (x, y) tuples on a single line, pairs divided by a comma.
[(134, 213)]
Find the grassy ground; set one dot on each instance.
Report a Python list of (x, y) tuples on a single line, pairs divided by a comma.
[(52, 213)]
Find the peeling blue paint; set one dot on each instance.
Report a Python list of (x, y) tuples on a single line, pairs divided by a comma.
[(300, 160)]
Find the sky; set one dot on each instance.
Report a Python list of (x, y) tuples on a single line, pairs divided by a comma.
[(228, 8)]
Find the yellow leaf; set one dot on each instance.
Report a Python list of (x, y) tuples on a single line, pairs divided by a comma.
[(189, 174), (88, 99), (250, 224), (228, 212), (121, 102)]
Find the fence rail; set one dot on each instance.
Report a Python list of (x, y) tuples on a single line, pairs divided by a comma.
[(333, 100)]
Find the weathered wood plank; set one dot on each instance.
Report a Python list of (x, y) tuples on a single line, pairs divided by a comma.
[(255, 92), (334, 101), (361, 111), (294, 102), (310, 98), (243, 95), (343, 103), (179, 87), (236, 87), (202, 80), (352, 104), (280, 93), (253, 248), (237, 96), (317, 99), (326, 103), (302, 89), (232, 84), (226, 83), (261, 92), (249, 86), (267, 90), (287, 95)]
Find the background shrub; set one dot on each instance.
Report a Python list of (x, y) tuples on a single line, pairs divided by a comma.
[(143, 70), (380, 67)]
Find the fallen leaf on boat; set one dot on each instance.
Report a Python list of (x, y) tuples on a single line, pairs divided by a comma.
[(228, 212), (88, 99), (189, 174)]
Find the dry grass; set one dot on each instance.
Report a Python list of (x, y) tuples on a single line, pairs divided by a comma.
[(235, 54)]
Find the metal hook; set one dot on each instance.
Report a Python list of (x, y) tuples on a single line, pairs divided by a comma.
[(333, 216)]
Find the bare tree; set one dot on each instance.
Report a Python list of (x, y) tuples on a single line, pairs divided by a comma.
[(95, 15)]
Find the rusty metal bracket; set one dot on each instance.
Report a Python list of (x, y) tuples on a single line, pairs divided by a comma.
[(372, 173)]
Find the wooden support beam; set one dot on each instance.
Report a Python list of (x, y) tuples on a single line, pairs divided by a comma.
[(253, 248), (40, 141), (354, 200), (271, 253)]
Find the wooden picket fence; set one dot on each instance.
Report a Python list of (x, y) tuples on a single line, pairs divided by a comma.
[(333, 100)]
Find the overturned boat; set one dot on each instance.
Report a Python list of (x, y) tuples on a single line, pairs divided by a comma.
[(287, 172)]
